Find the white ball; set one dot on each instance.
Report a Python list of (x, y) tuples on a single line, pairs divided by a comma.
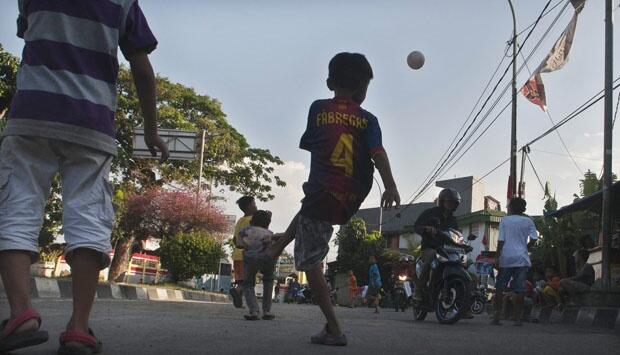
[(415, 60)]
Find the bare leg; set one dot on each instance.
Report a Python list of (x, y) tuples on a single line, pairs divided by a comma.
[(85, 268), (517, 308), (317, 282), (284, 239), (15, 271)]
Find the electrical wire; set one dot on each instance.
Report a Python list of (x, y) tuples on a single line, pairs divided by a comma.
[(424, 187)]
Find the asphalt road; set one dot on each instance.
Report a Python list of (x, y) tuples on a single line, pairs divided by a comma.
[(140, 327)]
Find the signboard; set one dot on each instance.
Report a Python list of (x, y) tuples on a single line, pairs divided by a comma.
[(183, 145)]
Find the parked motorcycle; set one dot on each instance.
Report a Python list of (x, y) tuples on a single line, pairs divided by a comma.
[(480, 298), (449, 286)]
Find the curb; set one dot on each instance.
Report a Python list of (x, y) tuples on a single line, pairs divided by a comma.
[(599, 317), (62, 288)]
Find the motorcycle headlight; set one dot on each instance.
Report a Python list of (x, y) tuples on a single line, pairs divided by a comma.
[(402, 277)]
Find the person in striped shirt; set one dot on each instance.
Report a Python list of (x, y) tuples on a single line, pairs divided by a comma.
[(61, 121)]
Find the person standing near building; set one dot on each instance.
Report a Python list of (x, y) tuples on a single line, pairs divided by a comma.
[(517, 233), (352, 283), (374, 283), (247, 204)]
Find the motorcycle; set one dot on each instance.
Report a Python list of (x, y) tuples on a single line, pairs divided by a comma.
[(480, 297), (402, 292), (449, 286)]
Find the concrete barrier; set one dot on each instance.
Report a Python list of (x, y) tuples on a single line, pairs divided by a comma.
[(62, 288), (44, 288)]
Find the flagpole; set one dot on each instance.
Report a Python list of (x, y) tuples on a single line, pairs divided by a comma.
[(608, 146), (513, 130)]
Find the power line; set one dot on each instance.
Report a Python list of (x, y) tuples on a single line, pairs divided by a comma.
[(563, 155), (536, 173), (613, 124), (459, 149), (544, 14), (589, 103), (424, 187)]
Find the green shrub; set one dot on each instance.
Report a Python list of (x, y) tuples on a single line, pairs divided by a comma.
[(190, 255)]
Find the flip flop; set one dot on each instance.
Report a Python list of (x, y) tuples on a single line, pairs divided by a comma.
[(324, 338), (74, 342), (250, 317), (9, 340)]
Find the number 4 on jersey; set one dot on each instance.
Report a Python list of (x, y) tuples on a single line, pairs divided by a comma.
[(342, 156)]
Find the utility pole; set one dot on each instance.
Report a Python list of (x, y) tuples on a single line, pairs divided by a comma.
[(202, 159), (380, 205), (607, 150), (513, 131)]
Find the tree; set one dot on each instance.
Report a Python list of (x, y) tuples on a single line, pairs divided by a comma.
[(229, 159), (355, 246), (561, 237), (162, 214), (8, 79), (190, 255)]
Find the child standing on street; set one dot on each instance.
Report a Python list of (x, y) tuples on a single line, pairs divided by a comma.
[(247, 205), (255, 240), (345, 145), (62, 121)]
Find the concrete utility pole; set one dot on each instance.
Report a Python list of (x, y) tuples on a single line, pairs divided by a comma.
[(607, 150), (513, 131)]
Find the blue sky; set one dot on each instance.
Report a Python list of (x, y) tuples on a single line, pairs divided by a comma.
[(266, 61)]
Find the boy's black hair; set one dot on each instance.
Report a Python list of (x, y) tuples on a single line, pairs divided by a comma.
[(349, 71), (261, 219), (518, 205), (244, 202)]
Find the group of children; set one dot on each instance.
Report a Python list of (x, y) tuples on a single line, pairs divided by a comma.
[(62, 121)]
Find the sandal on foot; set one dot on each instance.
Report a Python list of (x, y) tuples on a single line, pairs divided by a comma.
[(268, 317), (10, 340), (250, 317), (73, 342), (496, 322), (325, 338)]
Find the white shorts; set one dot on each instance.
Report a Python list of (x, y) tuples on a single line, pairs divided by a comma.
[(27, 167)]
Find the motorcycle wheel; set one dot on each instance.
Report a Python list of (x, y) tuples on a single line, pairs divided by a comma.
[(419, 313), (397, 299), (449, 307), (477, 305)]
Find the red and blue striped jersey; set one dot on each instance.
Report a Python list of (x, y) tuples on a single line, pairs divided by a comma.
[(342, 137)]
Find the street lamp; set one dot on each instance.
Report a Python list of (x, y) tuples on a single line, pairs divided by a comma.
[(380, 205), (513, 131)]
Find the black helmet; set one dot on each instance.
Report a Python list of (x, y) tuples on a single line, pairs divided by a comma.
[(449, 195)]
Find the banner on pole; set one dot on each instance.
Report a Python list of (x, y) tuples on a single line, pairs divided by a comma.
[(534, 89)]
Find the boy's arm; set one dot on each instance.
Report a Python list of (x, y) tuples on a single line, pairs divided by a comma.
[(144, 78), (390, 195)]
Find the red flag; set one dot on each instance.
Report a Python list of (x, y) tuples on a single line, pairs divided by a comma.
[(534, 91)]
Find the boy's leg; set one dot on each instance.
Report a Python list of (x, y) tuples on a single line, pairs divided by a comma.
[(249, 281), (267, 270), (311, 246), (15, 270), (284, 239), (85, 266), (27, 166), (317, 282), (88, 217)]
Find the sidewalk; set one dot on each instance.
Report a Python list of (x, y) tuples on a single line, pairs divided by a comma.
[(61, 288)]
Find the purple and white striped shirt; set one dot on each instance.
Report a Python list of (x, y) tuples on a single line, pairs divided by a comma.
[(66, 84)]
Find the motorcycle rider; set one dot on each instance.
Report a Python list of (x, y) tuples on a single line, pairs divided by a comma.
[(428, 225)]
